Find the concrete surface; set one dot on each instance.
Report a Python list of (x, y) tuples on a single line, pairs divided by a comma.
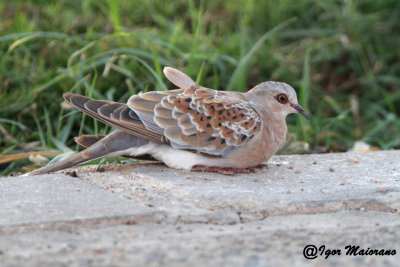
[(149, 215)]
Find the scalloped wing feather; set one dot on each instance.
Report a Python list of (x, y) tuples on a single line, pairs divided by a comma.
[(199, 118)]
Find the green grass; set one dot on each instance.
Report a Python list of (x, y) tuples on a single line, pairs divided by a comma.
[(341, 56)]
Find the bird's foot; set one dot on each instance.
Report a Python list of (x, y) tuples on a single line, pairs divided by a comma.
[(226, 170)]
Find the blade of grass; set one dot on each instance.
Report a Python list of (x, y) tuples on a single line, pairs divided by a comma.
[(49, 131), (114, 13), (302, 131), (21, 41), (40, 131), (59, 123), (39, 89), (152, 71), (196, 17), (8, 149), (39, 34), (244, 60), (66, 130), (60, 145), (16, 123), (157, 67), (60, 156), (200, 74), (12, 157), (215, 77)]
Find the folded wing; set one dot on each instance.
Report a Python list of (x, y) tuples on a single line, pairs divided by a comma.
[(198, 118)]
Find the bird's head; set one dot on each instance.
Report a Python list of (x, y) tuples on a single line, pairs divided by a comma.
[(277, 98)]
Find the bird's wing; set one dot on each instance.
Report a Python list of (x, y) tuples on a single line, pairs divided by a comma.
[(198, 118), (115, 114)]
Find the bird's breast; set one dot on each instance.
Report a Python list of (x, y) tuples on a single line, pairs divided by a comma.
[(262, 147)]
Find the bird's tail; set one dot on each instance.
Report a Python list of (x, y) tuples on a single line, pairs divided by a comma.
[(115, 144)]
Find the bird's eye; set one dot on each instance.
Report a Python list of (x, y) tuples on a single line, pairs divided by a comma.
[(282, 98)]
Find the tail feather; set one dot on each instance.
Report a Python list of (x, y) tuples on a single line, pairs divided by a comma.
[(115, 114), (88, 140), (63, 164), (114, 144)]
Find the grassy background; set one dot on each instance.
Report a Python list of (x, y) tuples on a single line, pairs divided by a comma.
[(341, 56)]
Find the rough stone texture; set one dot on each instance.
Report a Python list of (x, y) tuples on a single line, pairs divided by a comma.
[(46, 200), (149, 215)]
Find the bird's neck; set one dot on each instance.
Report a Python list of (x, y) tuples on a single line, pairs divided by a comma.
[(275, 130)]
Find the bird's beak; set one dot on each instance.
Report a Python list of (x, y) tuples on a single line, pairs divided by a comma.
[(301, 111)]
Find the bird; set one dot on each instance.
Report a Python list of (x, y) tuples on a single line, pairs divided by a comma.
[(191, 128)]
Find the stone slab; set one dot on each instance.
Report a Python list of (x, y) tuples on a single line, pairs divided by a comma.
[(274, 241), (289, 185), (150, 215), (58, 199)]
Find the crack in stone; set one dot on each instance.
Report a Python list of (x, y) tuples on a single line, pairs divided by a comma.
[(216, 218), (309, 208), (93, 223)]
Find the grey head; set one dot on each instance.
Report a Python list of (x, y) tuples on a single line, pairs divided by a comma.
[(276, 98)]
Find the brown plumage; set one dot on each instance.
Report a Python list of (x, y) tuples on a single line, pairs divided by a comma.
[(190, 126), (209, 121)]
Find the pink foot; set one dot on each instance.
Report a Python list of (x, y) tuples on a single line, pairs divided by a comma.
[(226, 171)]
